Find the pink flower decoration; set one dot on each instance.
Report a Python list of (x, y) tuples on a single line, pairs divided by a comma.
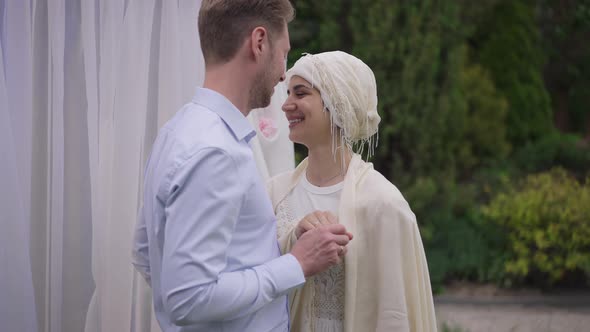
[(267, 127)]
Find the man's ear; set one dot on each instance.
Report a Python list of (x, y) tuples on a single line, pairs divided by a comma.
[(259, 41)]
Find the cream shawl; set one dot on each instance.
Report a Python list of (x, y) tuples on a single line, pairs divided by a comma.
[(387, 285)]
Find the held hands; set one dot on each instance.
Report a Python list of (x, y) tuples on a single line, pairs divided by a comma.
[(321, 242), (313, 220)]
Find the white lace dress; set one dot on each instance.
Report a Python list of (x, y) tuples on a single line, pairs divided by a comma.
[(327, 305)]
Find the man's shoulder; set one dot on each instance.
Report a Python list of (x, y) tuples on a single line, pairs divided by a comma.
[(194, 120), (196, 127), (192, 132)]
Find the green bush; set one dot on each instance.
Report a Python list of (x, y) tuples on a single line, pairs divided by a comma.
[(447, 328), (460, 244), (484, 130), (563, 150), (465, 249), (547, 219)]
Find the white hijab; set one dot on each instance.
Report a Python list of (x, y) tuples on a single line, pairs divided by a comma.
[(348, 89)]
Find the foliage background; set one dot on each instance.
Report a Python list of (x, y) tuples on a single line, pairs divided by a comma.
[(478, 100)]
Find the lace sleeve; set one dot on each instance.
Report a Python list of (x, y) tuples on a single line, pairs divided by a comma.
[(285, 219)]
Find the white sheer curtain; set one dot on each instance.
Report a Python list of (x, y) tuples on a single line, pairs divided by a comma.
[(84, 87)]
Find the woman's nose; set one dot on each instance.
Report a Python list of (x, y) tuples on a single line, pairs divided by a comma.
[(287, 106)]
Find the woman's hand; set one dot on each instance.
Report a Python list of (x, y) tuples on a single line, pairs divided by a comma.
[(313, 220)]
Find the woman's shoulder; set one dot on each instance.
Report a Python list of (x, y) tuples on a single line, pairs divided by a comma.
[(278, 182), (280, 178), (377, 195), (380, 189), (288, 177)]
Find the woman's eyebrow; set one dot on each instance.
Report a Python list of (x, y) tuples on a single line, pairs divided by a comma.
[(298, 87)]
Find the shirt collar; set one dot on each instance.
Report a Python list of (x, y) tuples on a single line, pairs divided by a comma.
[(233, 118)]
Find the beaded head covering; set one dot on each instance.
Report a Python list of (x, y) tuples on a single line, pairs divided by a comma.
[(349, 92)]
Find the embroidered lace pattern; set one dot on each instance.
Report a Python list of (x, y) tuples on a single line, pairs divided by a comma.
[(285, 219), (328, 301)]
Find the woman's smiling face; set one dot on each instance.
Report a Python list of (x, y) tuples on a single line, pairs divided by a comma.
[(309, 123)]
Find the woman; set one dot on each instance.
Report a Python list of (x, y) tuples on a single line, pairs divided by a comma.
[(383, 282)]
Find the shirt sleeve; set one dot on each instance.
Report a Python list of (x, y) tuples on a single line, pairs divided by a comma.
[(202, 209), (140, 253)]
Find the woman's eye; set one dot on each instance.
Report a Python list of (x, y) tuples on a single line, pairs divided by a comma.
[(300, 94)]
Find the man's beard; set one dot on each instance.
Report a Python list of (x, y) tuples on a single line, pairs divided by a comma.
[(262, 90)]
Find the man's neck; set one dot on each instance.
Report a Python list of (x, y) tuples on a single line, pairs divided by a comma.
[(232, 82)]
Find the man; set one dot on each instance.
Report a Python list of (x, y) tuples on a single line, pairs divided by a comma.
[(206, 238)]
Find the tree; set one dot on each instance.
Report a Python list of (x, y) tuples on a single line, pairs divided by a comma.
[(508, 44), (565, 27)]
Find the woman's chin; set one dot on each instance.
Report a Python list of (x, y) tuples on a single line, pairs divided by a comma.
[(294, 137)]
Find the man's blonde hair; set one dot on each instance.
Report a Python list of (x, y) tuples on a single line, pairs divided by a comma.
[(225, 24)]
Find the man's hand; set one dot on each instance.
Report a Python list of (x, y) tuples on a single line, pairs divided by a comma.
[(321, 247)]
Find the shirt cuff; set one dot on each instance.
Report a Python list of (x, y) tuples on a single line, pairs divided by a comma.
[(287, 273)]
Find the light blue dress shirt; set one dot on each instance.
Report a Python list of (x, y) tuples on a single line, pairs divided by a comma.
[(206, 237)]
